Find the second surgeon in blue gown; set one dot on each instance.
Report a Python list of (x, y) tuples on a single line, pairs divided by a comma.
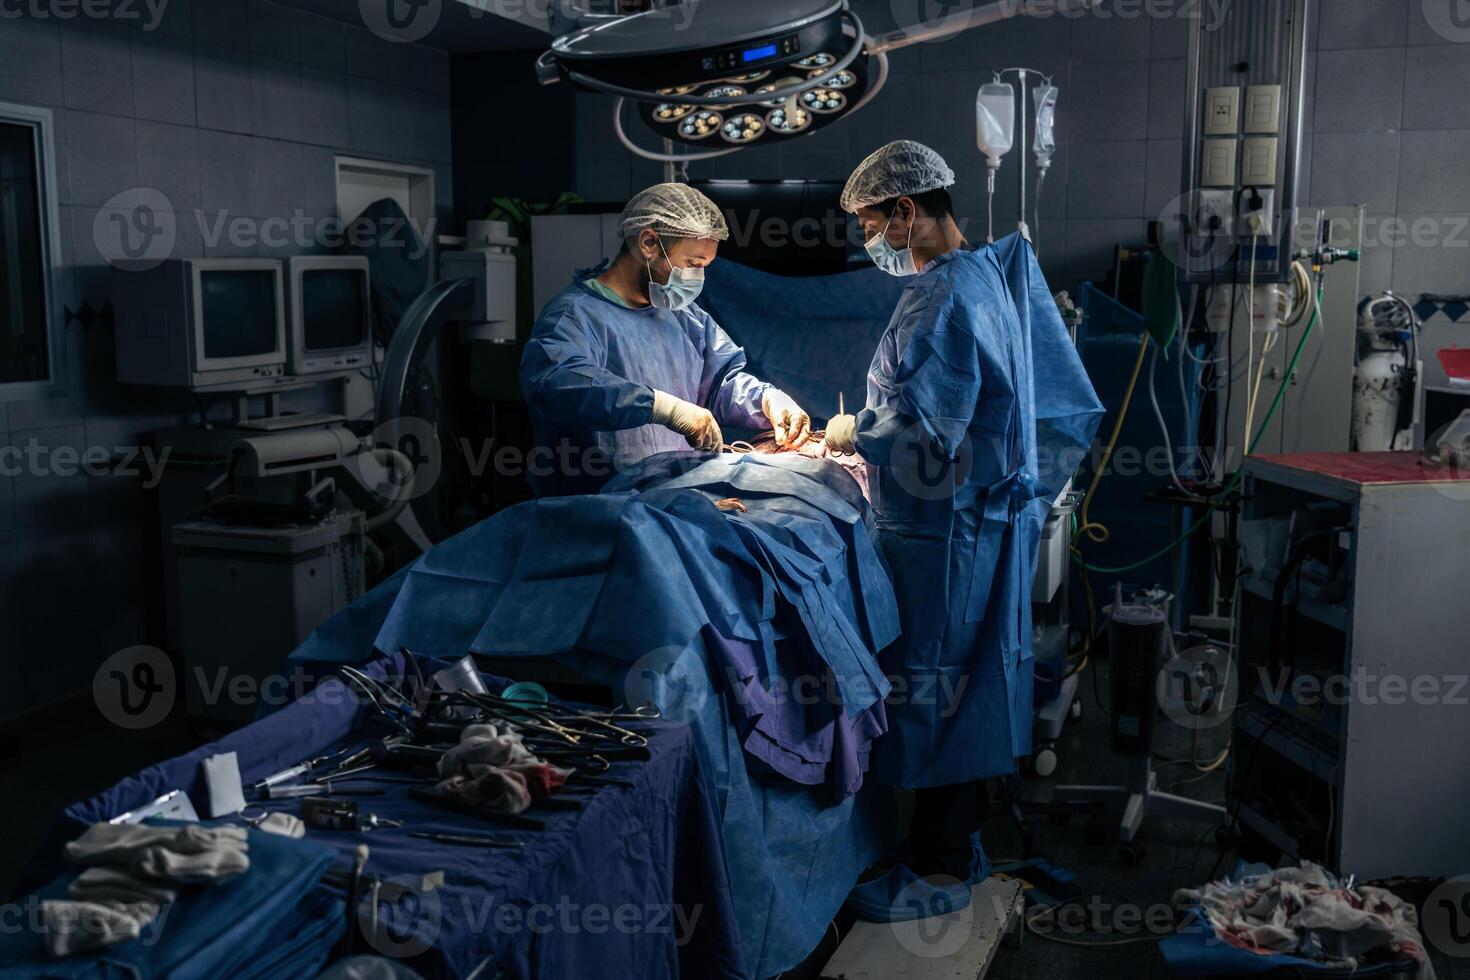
[(623, 364), (978, 408)]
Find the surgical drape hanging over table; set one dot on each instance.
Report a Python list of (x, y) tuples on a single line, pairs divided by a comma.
[(707, 612)]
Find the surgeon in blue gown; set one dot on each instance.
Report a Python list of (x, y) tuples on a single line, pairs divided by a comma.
[(623, 364), (978, 410)]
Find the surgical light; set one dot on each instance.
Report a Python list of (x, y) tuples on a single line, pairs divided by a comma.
[(798, 69), (722, 73)]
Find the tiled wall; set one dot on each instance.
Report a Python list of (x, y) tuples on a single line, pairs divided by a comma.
[(1389, 122), (229, 105)]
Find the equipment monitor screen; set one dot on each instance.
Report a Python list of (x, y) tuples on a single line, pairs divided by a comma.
[(333, 308), (239, 310)]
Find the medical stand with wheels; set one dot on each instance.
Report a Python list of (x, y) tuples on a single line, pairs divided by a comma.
[(1057, 677), (1138, 645)]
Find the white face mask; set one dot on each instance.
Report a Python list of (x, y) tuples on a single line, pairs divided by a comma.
[(680, 291), (894, 261)]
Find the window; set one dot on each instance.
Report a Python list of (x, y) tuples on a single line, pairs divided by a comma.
[(27, 249)]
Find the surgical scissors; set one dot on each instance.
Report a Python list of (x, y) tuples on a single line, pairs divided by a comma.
[(625, 736)]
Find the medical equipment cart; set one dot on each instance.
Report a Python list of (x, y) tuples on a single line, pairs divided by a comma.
[(1352, 661)]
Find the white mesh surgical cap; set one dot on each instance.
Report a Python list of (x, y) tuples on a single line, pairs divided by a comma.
[(674, 211), (899, 168)]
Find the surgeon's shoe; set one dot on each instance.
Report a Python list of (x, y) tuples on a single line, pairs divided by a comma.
[(899, 895)]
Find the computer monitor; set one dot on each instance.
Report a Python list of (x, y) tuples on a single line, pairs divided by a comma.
[(205, 324), (331, 314)]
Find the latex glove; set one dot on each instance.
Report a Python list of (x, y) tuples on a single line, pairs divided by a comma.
[(190, 853), (793, 427), (694, 423), (841, 434)]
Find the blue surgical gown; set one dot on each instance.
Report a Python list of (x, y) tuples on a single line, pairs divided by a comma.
[(978, 411), (589, 372)]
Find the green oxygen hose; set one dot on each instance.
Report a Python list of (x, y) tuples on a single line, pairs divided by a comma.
[(1235, 480)]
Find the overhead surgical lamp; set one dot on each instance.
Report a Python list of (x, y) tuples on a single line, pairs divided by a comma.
[(723, 75)]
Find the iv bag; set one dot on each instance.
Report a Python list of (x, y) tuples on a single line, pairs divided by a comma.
[(1045, 143), (995, 120)]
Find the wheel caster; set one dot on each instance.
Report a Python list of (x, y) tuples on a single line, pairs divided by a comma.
[(1044, 762), (1074, 713), (1132, 852), (1095, 833)]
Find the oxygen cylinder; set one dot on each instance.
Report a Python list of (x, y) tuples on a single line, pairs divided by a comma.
[(1378, 387), (1380, 377)]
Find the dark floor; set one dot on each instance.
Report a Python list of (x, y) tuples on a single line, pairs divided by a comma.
[(1177, 855), (72, 755)]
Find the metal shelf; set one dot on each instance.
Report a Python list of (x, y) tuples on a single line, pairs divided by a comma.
[(1336, 615), (1288, 741)]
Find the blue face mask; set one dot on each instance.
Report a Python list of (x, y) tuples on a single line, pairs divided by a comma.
[(681, 290), (894, 261)]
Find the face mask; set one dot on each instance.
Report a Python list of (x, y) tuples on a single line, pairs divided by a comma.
[(682, 288), (895, 262)]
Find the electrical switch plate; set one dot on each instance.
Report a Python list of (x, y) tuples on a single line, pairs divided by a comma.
[(1213, 215), (1258, 221), (1219, 165), (1222, 111), (1258, 162), (1263, 109)]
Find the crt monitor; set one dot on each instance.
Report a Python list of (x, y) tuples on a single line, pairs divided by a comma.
[(331, 314), (208, 324)]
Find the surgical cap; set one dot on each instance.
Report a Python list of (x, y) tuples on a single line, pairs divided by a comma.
[(902, 167), (674, 211)]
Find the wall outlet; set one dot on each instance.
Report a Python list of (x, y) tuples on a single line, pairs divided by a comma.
[(1258, 221), (1213, 215), (1222, 111)]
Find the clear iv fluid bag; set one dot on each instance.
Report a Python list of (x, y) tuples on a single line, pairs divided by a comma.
[(1045, 143), (995, 120)]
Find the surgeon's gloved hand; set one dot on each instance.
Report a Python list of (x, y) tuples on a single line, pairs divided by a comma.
[(691, 421), (792, 426), (841, 434)]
